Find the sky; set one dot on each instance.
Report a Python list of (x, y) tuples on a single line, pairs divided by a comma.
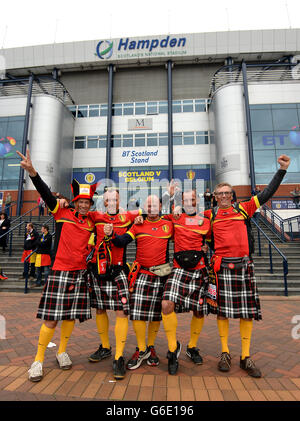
[(33, 22)]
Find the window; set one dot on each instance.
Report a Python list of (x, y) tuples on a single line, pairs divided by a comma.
[(177, 138), (117, 109), (80, 142), (94, 111), (139, 140), (176, 107), (116, 141), (102, 141), (82, 111), (188, 138), (128, 108), (284, 119), (187, 106), (140, 108), (163, 107), (261, 120), (127, 140), (92, 142), (152, 139), (200, 105), (202, 138), (103, 110), (152, 107), (163, 139)]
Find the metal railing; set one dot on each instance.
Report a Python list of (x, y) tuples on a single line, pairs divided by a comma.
[(19, 222), (259, 75), (284, 229), (270, 245)]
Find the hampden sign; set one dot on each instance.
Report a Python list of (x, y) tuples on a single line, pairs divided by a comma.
[(127, 47)]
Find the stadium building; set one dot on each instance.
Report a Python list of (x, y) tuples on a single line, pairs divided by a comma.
[(218, 106)]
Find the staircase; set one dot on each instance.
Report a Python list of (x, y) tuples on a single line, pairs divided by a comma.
[(12, 266), (273, 283), (268, 283)]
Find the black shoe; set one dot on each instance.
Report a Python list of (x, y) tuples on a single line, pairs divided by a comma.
[(153, 359), (119, 368), (100, 354), (173, 359), (225, 362), (137, 359), (248, 365), (193, 354)]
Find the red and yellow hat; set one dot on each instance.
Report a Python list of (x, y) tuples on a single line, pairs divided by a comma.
[(83, 191)]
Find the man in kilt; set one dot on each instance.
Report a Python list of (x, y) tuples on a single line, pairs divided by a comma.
[(65, 296), (110, 286), (233, 291), (185, 286), (146, 286)]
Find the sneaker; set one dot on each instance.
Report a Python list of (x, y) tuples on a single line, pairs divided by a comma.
[(64, 361), (193, 354), (153, 359), (36, 371), (100, 354), (173, 359), (248, 365), (119, 368), (137, 359), (3, 277), (225, 362)]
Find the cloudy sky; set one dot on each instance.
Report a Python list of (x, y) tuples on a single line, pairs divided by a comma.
[(33, 22)]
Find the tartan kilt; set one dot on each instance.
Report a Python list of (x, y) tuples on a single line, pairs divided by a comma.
[(65, 296), (187, 290), (145, 300), (237, 295), (109, 293)]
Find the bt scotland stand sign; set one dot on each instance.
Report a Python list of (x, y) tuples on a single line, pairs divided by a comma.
[(150, 47)]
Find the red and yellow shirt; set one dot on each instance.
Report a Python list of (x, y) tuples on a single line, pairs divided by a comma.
[(230, 231), (121, 223), (188, 234), (152, 240)]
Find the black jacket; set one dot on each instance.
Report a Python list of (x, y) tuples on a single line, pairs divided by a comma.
[(44, 246), (30, 243)]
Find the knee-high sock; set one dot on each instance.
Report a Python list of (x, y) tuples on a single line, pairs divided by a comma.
[(245, 331), (45, 337), (170, 325), (67, 327), (139, 327), (102, 323), (153, 328), (121, 329), (223, 326), (196, 327)]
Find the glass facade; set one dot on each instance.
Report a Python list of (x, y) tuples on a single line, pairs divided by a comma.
[(140, 108), (142, 139), (275, 131), (11, 135)]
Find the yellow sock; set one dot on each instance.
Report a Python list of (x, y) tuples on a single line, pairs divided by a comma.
[(45, 337), (139, 327), (65, 333), (196, 327), (121, 329), (170, 325), (245, 331), (223, 326), (102, 323), (153, 328)]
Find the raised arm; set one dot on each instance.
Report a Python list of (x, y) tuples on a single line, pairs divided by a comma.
[(38, 183)]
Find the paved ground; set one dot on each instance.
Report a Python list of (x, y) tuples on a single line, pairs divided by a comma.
[(273, 348)]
